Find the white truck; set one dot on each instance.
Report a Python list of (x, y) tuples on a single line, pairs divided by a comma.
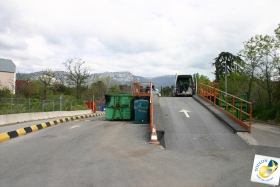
[(185, 85)]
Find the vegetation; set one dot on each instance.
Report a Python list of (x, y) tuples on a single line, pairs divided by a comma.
[(42, 91), (77, 75), (227, 62), (254, 71), (166, 91), (202, 79), (46, 79)]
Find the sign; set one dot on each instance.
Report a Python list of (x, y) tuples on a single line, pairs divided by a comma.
[(266, 170)]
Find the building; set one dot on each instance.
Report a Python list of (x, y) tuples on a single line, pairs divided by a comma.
[(7, 74)]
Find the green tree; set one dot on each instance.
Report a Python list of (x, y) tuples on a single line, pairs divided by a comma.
[(262, 53), (115, 89), (277, 32), (125, 89), (77, 74), (227, 63), (46, 78), (238, 84), (277, 58), (38, 91), (202, 79), (99, 89), (166, 92), (250, 55), (107, 81), (5, 92)]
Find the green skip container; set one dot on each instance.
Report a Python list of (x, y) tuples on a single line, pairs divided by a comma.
[(119, 107)]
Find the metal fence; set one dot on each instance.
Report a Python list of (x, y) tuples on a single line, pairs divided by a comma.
[(23, 105), (236, 108)]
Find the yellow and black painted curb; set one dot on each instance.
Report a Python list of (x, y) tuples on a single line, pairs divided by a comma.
[(23, 131)]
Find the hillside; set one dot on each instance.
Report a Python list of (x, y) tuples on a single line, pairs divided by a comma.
[(116, 77)]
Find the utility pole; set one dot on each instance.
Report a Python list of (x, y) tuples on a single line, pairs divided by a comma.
[(226, 77), (60, 98)]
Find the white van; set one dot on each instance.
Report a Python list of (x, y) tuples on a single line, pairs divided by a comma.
[(184, 85)]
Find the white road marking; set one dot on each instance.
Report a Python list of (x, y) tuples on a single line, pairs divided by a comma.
[(75, 126), (186, 112)]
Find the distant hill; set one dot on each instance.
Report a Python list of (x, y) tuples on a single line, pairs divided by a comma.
[(127, 78), (119, 78)]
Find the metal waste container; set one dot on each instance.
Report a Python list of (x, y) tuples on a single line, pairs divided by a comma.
[(118, 107), (141, 109)]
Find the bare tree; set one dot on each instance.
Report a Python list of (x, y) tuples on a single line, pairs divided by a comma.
[(77, 75), (60, 77), (46, 79)]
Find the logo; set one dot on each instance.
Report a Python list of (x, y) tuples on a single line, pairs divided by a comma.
[(265, 170)]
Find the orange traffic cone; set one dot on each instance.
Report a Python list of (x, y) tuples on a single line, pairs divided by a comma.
[(154, 139)]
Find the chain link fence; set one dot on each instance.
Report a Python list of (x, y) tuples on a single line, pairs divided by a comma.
[(23, 105)]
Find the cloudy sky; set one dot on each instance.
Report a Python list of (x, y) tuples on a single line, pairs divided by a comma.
[(146, 37)]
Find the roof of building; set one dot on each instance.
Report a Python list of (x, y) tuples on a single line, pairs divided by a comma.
[(7, 65)]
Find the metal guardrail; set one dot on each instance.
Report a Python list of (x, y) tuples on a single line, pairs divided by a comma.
[(144, 89), (236, 108)]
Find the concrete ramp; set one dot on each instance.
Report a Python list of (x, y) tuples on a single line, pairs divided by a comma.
[(184, 124)]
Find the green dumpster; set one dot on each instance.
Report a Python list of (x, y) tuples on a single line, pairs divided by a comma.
[(141, 109), (237, 104), (119, 107)]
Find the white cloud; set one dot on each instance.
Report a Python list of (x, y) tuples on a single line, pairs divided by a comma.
[(147, 38)]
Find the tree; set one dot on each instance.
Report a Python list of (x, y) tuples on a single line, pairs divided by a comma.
[(99, 89), (24, 86), (77, 74), (4, 91), (277, 60), (277, 32), (227, 62), (250, 56), (46, 78), (202, 79), (115, 89), (107, 81), (238, 84), (60, 77), (166, 92), (124, 89), (262, 56)]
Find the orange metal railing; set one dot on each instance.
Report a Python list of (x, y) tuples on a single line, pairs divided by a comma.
[(236, 108), (144, 89)]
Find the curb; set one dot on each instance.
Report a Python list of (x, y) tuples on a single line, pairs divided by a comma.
[(23, 131)]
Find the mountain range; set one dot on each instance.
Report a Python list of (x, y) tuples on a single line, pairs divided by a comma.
[(127, 78), (124, 78)]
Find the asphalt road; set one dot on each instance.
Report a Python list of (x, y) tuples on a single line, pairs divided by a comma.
[(189, 125), (118, 153)]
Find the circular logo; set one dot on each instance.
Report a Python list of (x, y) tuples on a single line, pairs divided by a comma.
[(266, 171)]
